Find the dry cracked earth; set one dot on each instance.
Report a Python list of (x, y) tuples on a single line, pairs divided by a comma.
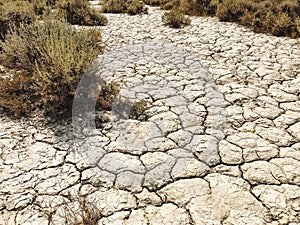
[(218, 144)]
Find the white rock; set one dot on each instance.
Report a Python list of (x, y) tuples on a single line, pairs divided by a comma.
[(230, 154), (183, 191), (295, 130), (167, 214), (228, 202)]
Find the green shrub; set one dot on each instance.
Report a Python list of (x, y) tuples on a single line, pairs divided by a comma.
[(79, 12), (51, 2), (135, 7), (233, 10), (132, 7), (175, 19), (106, 96), (15, 93), (170, 5), (189, 7), (277, 17), (14, 13), (113, 6), (153, 2), (48, 59), (138, 111)]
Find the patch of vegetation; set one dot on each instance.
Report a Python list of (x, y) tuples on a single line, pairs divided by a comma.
[(107, 96), (76, 210), (113, 6), (80, 13), (132, 7), (153, 2), (138, 111), (47, 60), (13, 13), (277, 17), (175, 19)]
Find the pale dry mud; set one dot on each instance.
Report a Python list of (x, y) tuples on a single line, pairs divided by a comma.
[(219, 145)]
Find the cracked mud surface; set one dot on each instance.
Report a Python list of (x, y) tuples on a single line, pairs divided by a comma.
[(220, 144)]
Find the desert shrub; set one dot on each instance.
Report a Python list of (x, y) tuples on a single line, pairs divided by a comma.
[(175, 19), (171, 5), (233, 10), (138, 111), (48, 59), (188, 7), (132, 7), (283, 26), (113, 6), (153, 2), (14, 93), (74, 209), (135, 7), (205, 8), (290, 7), (105, 98), (51, 2), (79, 12), (14, 13), (277, 17)]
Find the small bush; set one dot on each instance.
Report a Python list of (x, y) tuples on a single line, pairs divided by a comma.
[(48, 59), (138, 111), (170, 5), (113, 6), (14, 13), (132, 7), (189, 7), (106, 96), (135, 7), (175, 19), (77, 209), (233, 10), (153, 2), (79, 12), (276, 17)]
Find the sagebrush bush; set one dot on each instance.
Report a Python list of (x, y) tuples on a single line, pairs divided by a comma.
[(233, 10), (138, 111), (132, 7), (153, 2), (106, 96), (277, 17), (48, 59), (80, 13), (170, 5), (113, 6), (14, 13), (175, 19)]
